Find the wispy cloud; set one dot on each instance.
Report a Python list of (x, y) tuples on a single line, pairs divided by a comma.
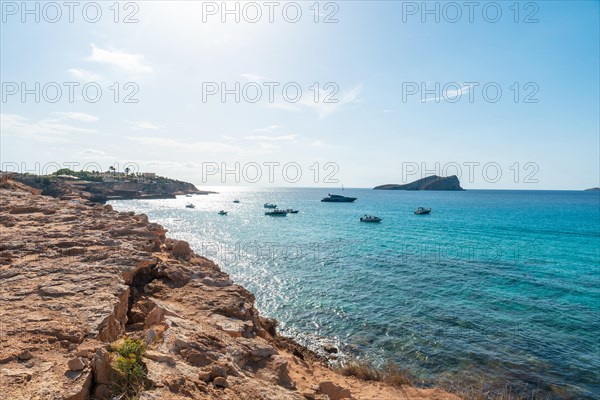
[(93, 154), (327, 104), (83, 75), (267, 129), (48, 130), (143, 126), (194, 147), (325, 109), (77, 116), (127, 62), (254, 77), (271, 138), (449, 94)]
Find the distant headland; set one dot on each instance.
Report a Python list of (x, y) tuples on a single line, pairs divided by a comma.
[(433, 182), (594, 189), (100, 187)]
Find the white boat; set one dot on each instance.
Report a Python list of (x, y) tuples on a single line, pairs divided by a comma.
[(370, 218), (270, 205), (190, 205), (188, 195)]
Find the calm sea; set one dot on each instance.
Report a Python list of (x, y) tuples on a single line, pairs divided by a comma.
[(493, 286)]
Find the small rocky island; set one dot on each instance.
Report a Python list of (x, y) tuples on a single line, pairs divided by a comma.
[(433, 182), (100, 187)]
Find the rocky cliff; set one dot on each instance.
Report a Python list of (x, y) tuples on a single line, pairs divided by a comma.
[(102, 191), (433, 182), (76, 277)]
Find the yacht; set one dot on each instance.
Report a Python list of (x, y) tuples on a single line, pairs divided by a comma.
[(277, 213), (270, 205), (370, 218), (290, 211), (422, 211), (222, 212), (336, 198), (190, 205)]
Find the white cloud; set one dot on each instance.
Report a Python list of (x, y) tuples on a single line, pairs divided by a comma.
[(83, 75), (77, 116), (195, 147), (271, 138), (130, 63), (323, 108), (93, 154), (254, 77), (267, 129), (143, 125), (49, 130)]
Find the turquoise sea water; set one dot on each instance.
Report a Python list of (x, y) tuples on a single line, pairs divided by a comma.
[(493, 286)]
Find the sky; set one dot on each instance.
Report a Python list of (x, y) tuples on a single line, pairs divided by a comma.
[(310, 94)]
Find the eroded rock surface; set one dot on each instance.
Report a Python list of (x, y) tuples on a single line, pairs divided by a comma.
[(76, 276)]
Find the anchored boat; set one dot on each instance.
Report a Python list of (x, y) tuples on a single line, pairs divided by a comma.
[(422, 211), (370, 218), (277, 213), (336, 198)]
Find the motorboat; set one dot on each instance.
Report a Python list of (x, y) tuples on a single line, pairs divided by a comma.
[(188, 195), (236, 201), (270, 205), (222, 212), (291, 211), (277, 213), (190, 205), (370, 218), (336, 198), (422, 211)]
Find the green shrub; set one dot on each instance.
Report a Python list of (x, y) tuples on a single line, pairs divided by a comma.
[(129, 367)]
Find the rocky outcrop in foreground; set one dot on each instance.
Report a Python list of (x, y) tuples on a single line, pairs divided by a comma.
[(77, 276), (433, 182)]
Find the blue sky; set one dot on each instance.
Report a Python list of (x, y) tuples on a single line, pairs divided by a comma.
[(376, 133)]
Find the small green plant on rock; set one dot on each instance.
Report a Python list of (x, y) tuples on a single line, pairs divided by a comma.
[(131, 372)]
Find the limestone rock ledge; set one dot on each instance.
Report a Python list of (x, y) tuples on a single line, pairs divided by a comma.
[(76, 276)]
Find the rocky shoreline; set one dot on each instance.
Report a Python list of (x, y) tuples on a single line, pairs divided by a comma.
[(77, 276), (102, 191)]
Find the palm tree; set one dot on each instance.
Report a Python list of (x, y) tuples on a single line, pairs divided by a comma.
[(127, 171), (113, 169)]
